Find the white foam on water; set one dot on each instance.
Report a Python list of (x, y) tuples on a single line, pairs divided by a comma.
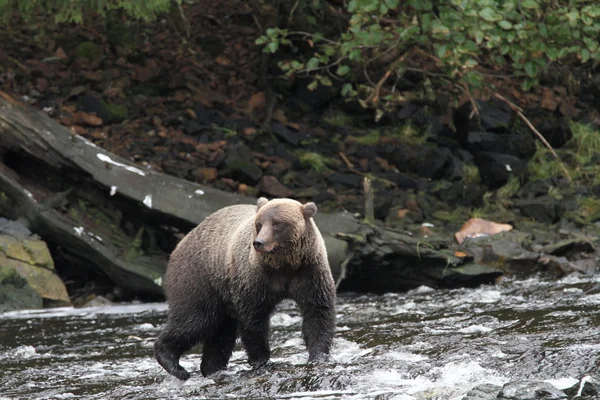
[(562, 383), (284, 319), (475, 329), (89, 311)]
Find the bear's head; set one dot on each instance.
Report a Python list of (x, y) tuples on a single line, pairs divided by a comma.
[(280, 224)]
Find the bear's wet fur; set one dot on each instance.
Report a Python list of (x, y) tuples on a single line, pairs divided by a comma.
[(228, 274)]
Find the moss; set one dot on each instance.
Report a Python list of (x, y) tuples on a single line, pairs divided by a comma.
[(314, 161), (370, 139), (339, 119), (509, 189), (135, 247), (470, 174), (585, 141), (408, 134), (114, 112), (589, 209), (89, 50)]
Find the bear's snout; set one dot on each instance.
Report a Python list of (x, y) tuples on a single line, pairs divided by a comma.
[(259, 244), (262, 246)]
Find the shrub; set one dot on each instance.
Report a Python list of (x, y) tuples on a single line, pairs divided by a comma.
[(446, 42)]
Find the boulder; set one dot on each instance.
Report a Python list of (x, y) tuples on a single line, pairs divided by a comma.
[(544, 209), (528, 390), (30, 258), (495, 169), (15, 292), (485, 391)]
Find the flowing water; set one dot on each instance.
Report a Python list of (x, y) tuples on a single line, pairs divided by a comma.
[(424, 344)]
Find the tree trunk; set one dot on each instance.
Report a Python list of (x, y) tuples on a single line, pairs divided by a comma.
[(106, 214)]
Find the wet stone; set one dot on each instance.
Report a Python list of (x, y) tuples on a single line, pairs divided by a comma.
[(486, 391), (529, 390), (350, 180), (495, 169), (543, 209), (283, 132), (271, 186)]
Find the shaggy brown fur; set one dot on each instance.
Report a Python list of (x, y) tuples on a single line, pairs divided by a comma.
[(228, 274)]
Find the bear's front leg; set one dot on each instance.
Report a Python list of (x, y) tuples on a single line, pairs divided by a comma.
[(316, 300), (254, 332)]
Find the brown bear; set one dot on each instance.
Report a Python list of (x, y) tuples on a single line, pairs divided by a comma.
[(228, 274)]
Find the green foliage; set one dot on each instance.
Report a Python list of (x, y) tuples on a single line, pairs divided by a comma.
[(451, 41), (579, 156), (314, 161), (76, 11)]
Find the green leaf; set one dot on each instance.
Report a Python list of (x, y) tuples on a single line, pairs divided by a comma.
[(489, 15), (272, 47), (342, 70), (325, 81), (591, 44), (543, 30), (530, 4), (531, 69), (479, 35), (504, 24), (440, 50), (392, 3), (313, 85), (312, 63), (347, 89), (585, 55)]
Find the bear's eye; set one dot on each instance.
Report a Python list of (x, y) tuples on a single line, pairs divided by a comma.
[(258, 226), (276, 223)]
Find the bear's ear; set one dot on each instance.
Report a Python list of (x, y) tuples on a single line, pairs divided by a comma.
[(309, 209), (261, 202)]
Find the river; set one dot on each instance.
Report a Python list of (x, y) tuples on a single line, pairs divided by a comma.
[(423, 344)]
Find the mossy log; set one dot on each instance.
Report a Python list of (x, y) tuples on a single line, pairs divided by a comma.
[(105, 214)]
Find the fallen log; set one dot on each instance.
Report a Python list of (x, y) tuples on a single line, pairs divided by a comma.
[(107, 215)]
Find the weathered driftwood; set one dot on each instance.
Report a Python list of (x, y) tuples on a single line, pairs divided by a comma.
[(107, 214)]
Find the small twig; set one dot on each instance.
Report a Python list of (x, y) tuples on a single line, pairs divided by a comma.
[(186, 24), (292, 11), (257, 22), (346, 161), (343, 269), (519, 112), (369, 201), (475, 110)]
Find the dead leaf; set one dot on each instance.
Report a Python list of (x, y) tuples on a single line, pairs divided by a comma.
[(256, 103), (60, 53), (401, 213), (461, 254), (82, 117), (223, 61), (476, 227)]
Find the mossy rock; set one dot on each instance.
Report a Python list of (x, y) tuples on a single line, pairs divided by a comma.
[(89, 50), (113, 113), (15, 293)]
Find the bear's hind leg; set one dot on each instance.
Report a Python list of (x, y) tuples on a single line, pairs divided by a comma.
[(173, 341), (217, 349)]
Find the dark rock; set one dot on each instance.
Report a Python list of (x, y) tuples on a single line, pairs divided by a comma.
[(458, 193), (493, 116), (191, 127), (402, 181), (325, 195), (271, 186), (553, 127), (588, 387), (108, 112), (543, 209), (283, 132), (240, 166), (486, 391), (519, 143), (428, 162), (278, 167), (382, 205), (495, 169), (283, 152), (313, 99), (206, 117), (530, 390), (569, 247), (407, 111), (350, 180), (533, 189)]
